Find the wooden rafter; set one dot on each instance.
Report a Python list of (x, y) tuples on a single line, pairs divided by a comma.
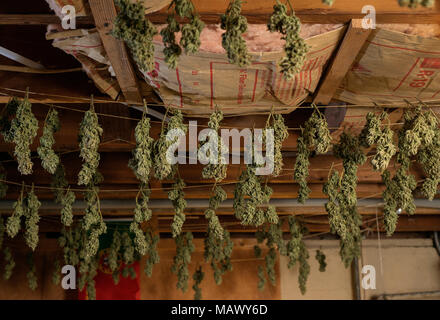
[(350, 47), (104, 13)]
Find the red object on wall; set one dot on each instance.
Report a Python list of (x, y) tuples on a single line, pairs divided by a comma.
[(126, 289)]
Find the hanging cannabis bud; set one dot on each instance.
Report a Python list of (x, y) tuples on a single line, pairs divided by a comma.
[(341, 207), (184, 249), (13, 224), (31, 275), (273, 235), (217, 253), (280, 134), (113, 256), (198, 278), (152, 253), (328, 2), (137, 31), (235, 25), (65, 198), (56, 276), (92, 222), (315, 137), (214, 226), (89, 138), (297, 251), (49, 159), (374, 133), (128, 255), (171, 50), (191, 32), (162, 161), (216, 167), (177, 197), (141, 214), (2, 231), (141, 162), (416, 3), (71, 241), (9, 263), (32, 205), (249, 210), (8, 112), (320, 257), (295, 48), (24, 127)]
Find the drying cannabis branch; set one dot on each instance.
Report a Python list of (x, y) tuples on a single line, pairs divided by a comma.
[(184, 249), (295, 47), (315, 137), (137, 31), (217, 252), (177, 197), (31, 274), (342, 211), (89, 138), (161, 159), (320, 257), (280, 133), (142, 213), (24, 127), (374, 133), (232, 40), (297, 252), (416, 3), (49, 159), (152, 254), (8, 112), (128, 256), (198, 278), (56, 275), (212, 149), (249, 210), (66, 199), (9, 263), (92, 222), (214, 226)]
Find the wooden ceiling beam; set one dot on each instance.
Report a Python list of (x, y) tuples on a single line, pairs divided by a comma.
[(349, 49), (104, 13)]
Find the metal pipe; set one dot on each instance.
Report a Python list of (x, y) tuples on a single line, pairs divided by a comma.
[(129, 204)]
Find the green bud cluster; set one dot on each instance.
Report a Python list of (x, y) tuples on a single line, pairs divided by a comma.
[(9, 263), (8, 112), (217, 170), (177, 197), (184, 249), (415, 3), (320, 257), (162, 168), (141, 163), (32, 273), (374, 133), (214, 225), (24, 127), (297, 252), (314, 137), (328, 2), (49, 159), (137, 31), (92, 222), (89, 138), (65, 198), (190, 39), (70, 241), (128, 256), (152, 253), (26, 207), (142, 213), (280, 133), (249, 196), (235, 25), (341, 208), (56, 275), (217, 252), (198, 278), (295, 48)]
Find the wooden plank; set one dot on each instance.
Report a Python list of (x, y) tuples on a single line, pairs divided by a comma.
[(40, 19), (104, 12), (350, 47)]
